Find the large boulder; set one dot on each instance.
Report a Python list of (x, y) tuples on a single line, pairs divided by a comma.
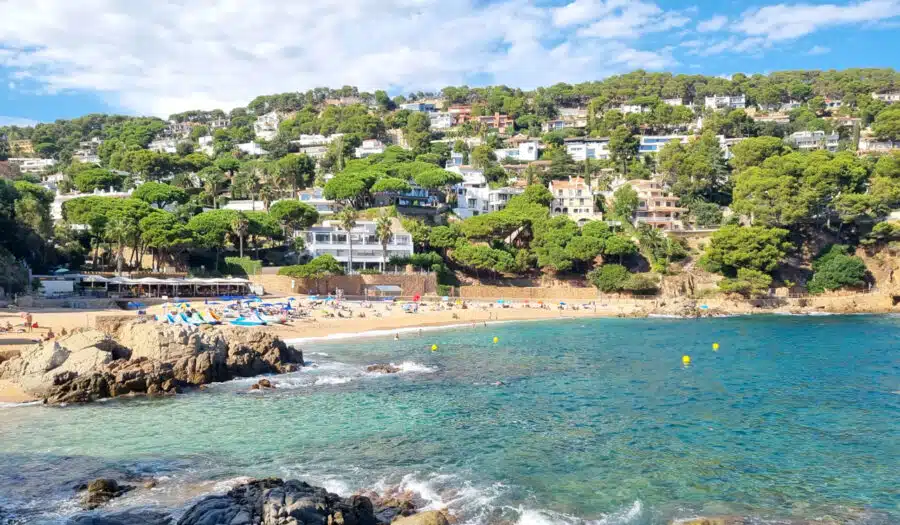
[(100, 491), (431, 517), (277, 502)]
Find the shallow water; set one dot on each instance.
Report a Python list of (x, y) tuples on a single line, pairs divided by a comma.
[(597, 422)]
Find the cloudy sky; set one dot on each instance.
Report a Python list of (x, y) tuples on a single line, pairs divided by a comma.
[(65, 58)]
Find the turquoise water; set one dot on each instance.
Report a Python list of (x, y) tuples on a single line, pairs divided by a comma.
[(597, 422)]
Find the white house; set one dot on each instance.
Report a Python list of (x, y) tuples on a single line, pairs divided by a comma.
[(575, 199), (369, 147), (872, 145), (474, 197), (425, 107), (315, 197), (888, 98), (367, 251), (653, 143), (87, 151), (581, 149), (633, 108), (29, 165), (813, 140), (316, 140), (206, 145), (266, 126), (163, 145), (218, 123), (527, 151), (251, 148), (726, 102), (673, 101), (441, 120)]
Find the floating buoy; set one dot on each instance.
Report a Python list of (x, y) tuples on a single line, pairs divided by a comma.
[(715, 347), (496, 339), (434, 348), (686, 360)]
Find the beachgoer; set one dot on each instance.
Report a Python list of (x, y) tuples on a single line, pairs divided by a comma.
[(63, 331), (396, 337), (28, 322)]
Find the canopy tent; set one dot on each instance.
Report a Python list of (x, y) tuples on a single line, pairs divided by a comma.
[(156, 287), (384, 290)]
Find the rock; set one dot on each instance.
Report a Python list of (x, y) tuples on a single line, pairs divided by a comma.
[(100, 491), (277, 502), (262, 383), (431, 517), (383, 369), (128, 517), (153, 359)]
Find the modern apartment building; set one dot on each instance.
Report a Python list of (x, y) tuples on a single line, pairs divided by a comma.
[(813, 140), (33, 166), (369, 147), (726, 102), (361, 244), (266, 126), (582, 148)]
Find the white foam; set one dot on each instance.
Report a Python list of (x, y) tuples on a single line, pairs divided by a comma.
[(332, 381), (19, 405), (406, 330), (411, 367)]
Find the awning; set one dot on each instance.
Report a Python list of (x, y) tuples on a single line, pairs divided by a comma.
[(94, 279), (389, 288)]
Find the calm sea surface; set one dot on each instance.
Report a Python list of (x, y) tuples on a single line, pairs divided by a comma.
[(597, 421)]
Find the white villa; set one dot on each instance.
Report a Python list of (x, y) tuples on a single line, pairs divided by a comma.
[(367, 251), (575, 199)]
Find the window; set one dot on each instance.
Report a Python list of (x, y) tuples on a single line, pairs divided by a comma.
[(340, 237), (323, 238), (581, 201)]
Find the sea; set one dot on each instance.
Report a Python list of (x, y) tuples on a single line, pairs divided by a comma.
[(570, 421)]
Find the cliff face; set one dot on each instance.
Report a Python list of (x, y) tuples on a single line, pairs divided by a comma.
[(145, 358)]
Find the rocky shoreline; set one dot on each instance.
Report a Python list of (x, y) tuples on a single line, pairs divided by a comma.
[(144, 358), (265, 502)]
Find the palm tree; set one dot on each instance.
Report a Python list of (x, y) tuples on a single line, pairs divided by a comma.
[(213, 179), (239, 226), (118, 230), (347, 218), (267, 194), (384, 233)]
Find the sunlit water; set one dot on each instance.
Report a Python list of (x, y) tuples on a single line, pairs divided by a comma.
[(597, 422)]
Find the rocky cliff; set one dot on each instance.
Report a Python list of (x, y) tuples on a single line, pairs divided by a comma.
[(145, 358)]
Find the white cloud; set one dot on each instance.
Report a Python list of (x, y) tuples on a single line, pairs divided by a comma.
[(715, 23), (785, 22), (166, 56), (16, 121), (818, 50)]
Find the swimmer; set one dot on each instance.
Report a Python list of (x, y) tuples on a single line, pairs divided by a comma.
[(396, 337)]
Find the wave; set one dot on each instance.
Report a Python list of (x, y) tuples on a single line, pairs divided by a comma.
[(19, 405)]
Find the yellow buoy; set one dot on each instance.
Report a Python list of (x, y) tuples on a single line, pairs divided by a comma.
[(496, 339), (686, 359), (434, 348), (715, 346)]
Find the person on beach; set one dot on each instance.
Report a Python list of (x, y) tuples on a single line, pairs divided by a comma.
[(28, 321)]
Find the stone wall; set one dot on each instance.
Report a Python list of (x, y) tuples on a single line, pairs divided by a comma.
[(353, 285), (528, 292)]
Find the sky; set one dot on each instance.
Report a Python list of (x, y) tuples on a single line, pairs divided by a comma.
[(66, 58)]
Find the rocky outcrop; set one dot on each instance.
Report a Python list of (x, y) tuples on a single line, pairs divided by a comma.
[(383, 369), (145, 358), (432, 517), (100, 491), (277, 502)]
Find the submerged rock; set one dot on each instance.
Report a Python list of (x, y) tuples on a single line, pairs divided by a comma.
[(128, 517), (145, 358), (262, 383), (100, 491), (383, 369)]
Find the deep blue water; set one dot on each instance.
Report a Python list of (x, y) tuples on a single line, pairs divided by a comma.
[(597, 421)]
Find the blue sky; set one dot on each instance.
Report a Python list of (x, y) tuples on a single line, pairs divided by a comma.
[(62, 59)]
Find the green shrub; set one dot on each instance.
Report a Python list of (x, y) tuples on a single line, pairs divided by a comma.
[(749, 283), (836, 269), (243, 266), (609, 277), (641, 284), (444, 289)]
